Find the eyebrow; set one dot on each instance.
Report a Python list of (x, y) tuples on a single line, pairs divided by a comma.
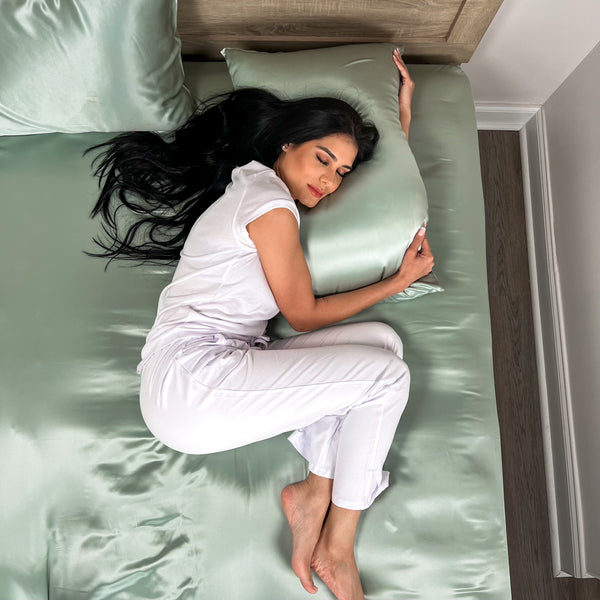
[(333, 156)]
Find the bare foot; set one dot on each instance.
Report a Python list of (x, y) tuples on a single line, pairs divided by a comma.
[(338, 572), (305, 510)]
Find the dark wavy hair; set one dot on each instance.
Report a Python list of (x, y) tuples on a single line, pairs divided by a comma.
[(153, 187)]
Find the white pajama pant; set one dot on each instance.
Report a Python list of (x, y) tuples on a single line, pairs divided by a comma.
[(342, 389)]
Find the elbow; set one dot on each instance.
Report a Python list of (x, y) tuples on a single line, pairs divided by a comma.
[(300, 322), (299, 325), (302, 317)]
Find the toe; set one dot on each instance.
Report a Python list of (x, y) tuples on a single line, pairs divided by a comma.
[(303, 573), (309, 586)]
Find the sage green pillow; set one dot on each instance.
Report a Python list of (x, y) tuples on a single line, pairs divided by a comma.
[(81, 65), (359, 234)]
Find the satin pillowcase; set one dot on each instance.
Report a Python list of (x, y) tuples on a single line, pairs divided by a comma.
[(109, 65), (359, 234)]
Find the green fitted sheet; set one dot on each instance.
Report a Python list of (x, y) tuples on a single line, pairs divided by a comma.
[(92, 507)]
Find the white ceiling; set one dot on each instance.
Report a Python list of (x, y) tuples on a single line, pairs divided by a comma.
[(531, 47)]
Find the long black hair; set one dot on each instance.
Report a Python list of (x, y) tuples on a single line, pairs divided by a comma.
[(166, 182)]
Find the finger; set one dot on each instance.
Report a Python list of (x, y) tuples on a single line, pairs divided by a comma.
[(401, 66), (400, 62), (418, 239), (425, 247)]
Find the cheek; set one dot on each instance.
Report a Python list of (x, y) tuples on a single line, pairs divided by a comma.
[(334, 186), (309, 166), (297, 171)]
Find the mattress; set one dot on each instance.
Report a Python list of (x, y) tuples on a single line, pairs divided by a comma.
[(93, 507)]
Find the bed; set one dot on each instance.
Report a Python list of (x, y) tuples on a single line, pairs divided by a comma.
[(93, 507)]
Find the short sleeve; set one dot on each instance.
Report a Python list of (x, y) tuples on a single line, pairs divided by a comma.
[(264, 192)]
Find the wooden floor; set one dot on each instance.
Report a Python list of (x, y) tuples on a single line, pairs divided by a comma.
[(515, 377)]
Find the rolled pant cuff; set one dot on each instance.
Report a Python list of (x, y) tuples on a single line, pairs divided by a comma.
[(297, 440), (353, 503), (343, 498)]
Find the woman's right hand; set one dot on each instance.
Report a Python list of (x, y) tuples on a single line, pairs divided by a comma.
[(417, 261)]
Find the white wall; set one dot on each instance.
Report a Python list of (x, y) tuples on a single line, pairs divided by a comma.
[(530, 49), (573, 132)]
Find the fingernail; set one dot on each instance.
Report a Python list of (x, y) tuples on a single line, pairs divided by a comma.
[(421, 231)]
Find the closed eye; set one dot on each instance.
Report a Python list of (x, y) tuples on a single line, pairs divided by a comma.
[(323, 162)]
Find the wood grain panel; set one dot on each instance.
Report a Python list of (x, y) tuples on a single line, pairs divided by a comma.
[(515, 376), (472, 20), (515, 372), (252, 19), (442, 31)]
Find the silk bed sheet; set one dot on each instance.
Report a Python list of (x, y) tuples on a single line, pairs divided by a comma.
[(93, 508)]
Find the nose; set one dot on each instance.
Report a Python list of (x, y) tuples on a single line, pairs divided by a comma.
[(326, 182)]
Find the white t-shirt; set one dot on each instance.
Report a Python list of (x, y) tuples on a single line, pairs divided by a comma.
[(219, 286)]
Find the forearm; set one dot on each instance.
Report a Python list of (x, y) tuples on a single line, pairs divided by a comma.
[(276, 238), (407, 88), (312, 313), (337, 307), (405, 117)]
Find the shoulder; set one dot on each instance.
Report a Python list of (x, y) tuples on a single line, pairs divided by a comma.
[(275, 231), (257, 177), (262, 192)]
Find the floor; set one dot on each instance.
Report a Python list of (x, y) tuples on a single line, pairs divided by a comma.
[(515, 377)]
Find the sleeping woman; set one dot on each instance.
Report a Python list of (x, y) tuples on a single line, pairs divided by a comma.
[(220, 196)]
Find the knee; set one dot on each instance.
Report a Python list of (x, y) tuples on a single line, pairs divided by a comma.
[(402, 372), (394, 385), (401, 385), (393, 373), (388, 338)]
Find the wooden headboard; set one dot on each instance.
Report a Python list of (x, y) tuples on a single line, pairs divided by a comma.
[(434, 31)]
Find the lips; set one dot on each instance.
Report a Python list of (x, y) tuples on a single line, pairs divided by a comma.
[(316, 192)]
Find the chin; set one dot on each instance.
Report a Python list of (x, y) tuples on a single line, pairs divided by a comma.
[(310, 202)]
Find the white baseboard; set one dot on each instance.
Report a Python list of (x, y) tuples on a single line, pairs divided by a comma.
[(504, 117), (564, 496)]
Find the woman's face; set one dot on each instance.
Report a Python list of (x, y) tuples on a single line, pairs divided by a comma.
[(315, 169)]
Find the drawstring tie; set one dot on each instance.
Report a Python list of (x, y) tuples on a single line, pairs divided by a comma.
[(215, 339)]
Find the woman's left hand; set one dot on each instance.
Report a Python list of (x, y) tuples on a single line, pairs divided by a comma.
[(407, 88), (417, 261)]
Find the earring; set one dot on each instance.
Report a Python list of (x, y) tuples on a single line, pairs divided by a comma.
[(284, 147)]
